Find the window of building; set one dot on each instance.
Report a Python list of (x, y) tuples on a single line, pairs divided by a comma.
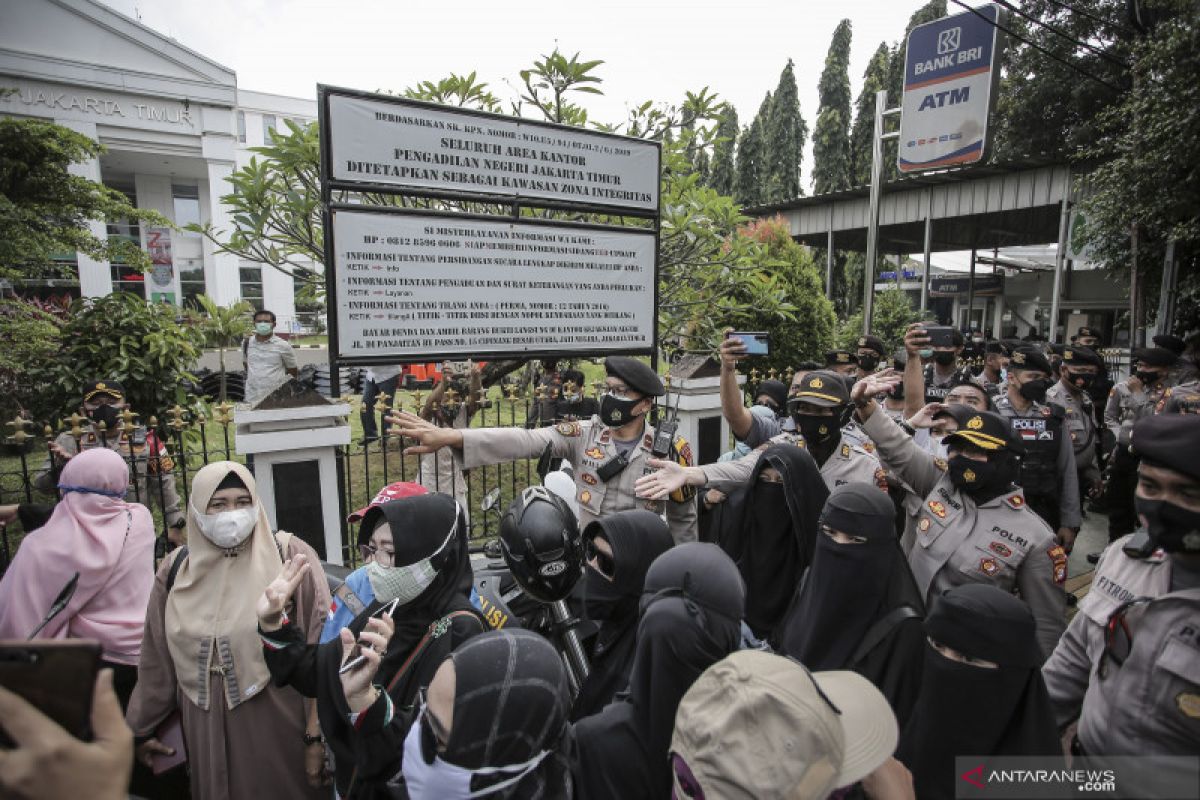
[(268, 126), (124, 277), (241, 123), (191, 280), (252, 285), (187, 208)]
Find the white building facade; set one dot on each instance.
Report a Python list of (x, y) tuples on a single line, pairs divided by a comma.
[(175, 126)]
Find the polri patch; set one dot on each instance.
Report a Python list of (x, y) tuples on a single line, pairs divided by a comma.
[(588, 478), (988, 566), (1000, 549), (1015, 500), (924, 524), (937, 508), (568, 428)]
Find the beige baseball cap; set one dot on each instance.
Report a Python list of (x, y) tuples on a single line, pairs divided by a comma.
[(760, 726)]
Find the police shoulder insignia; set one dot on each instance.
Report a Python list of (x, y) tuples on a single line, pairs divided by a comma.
[(881, 478), (938, 508), (1058, 557), (683, 451), (568, 428), (988, 566), (1015, 500), (868, 446), (924, 524), (941, 464), (1189, 704), (594, 452), (585, 496), (845, 451), (1112, 392)]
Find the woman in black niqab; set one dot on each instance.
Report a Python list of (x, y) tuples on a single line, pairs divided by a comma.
[(427, 629), (636, 537), (858, 607), (965, 709), (769, 529), (691, 611)]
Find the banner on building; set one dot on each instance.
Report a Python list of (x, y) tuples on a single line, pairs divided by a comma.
[(951, 68), (161, 288)]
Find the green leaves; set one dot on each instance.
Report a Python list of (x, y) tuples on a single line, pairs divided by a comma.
[(831, 139)]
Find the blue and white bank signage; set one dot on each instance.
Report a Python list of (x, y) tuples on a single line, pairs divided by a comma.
[(949, 79)]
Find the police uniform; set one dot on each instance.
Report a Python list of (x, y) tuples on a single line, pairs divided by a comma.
[(1181, 399), (1143, 696), (936, 388), (589, 445), (1125, 407), (1081, 419), (992, 387), (1048, 472), (955, 541), (847, 463), (152, 482)]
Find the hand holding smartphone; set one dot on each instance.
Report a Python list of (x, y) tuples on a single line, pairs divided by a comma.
[(756, 343), (355, 657)]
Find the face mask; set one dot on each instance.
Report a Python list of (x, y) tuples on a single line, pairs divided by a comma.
[(109, 415), (572, 398), (1148, 378), (227, 529), (615, 412), (1034, 391), (817, 430), (937, 447), (441, 780), (945, 357), (263, 328), (979, 478), (1082, 382), (1171, 527), (868, 363), (406, 583)]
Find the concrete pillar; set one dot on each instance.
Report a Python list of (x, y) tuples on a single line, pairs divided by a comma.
[(220, 269), (95, 277)]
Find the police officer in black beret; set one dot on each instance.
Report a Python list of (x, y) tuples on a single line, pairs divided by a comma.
[(871, 353), (842, 362), (1079, 369)]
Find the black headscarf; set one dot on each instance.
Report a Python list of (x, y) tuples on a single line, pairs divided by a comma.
[(769, 530), (776, 391), (691, 611), (637, 537), (976, 711), (511, 700)]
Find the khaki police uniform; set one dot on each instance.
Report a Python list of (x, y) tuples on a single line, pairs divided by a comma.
[(953, 541), (1049, 460), (1181, 399), (588, 445), (847, 464), (152, 482), (1081, 425), (1150, 703), (1125, 407)]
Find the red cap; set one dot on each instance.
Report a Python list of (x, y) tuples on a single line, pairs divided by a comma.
[(393, 491)]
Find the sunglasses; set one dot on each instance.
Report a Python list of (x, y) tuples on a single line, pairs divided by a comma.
[(603, 562)]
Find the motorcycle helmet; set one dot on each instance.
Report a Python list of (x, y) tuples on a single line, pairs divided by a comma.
[(540, 542)]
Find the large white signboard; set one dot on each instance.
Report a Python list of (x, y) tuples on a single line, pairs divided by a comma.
[(426, 287), (949, 71), (405, 145)]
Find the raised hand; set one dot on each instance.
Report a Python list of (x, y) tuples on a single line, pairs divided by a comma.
[(916, 340), (657, 485), (279, 592), (924, 417), (356, 683), (732, 350), (429, 437), (866, 388)]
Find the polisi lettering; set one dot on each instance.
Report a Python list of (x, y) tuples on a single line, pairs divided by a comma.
[(948, 98)]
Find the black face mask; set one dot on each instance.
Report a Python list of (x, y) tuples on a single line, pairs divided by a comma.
[(945, 357), (106, 414), (979, 479), (615, 412), (602, 599), (868, 363), (1171, 527), (1148, 378), (1082, 382), (817, 431), (1034, 391)]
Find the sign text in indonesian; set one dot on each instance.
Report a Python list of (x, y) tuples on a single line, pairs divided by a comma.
[(412, 146), (415, 286)]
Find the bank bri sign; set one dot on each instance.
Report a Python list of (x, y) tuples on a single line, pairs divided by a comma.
[(950, 72)]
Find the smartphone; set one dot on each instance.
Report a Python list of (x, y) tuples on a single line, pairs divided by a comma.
[(170, 733), (55, 677), (940, 335), (355, 657), (757, 343)]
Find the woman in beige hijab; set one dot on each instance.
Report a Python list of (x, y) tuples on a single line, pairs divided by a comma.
[(201, 654)]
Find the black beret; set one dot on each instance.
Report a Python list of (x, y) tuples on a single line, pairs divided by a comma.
[(822, 388), (873, 343), (636, 374), (1155, 356), (1086, 331), (1169, 440), (1081, 356), (998, 348), (1170, 342), (835, 357), (984, 429), (1028, 358), (774, 390), (110, 388)]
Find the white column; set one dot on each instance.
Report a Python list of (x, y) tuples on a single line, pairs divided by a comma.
[(279, 295), (95, 277)]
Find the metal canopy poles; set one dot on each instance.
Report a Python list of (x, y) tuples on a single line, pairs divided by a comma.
[(1060, 258), (877, 138)]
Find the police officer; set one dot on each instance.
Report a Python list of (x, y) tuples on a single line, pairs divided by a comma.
[(1128, 402), (871, 353), (1183, 370), (609, 451), (944, 369), (1181, 399), (1048, 468), (974, 525), (995, 362), (153, 482), (1087, 337), (843, 362), (1078, 371), (1128, 667)]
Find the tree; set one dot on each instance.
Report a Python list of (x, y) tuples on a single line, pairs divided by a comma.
[(784, 136), (222, 327), (32, 334), (751, 165), (892, 313), (874, 79), (46, 211), (831, 139), (722, 175)]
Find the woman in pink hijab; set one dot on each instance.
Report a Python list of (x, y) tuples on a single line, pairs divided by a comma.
[(110, 543)]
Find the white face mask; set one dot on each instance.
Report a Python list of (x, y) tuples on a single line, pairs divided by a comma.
[(406, 583), (228, 528), (441, 780)]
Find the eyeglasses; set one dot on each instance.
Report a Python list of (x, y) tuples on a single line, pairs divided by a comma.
[(434, 738), (604, 563), (383, 557), (1118, 638)]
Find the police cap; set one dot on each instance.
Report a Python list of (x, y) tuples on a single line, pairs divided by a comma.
[(1170, 342), (999, 348), (835, 358), (110, 388), (822, 388), (1169, 440), (637, 375), (873, 343), (983, 429), (1028, 358), (1076, 356), (1155, 356)]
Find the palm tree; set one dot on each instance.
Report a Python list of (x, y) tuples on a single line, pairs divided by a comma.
[(223, 327)]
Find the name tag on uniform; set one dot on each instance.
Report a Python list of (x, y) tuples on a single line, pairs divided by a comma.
[(1032, 430)]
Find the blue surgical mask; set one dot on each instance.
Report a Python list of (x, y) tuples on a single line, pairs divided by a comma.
[(263, 328)]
